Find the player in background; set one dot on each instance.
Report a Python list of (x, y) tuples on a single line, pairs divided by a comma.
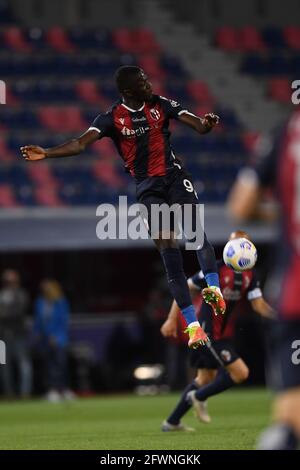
[(278, 167), (138, 124), (218, 365)]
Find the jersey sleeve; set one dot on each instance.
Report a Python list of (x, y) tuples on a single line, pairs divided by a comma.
[(172, 108), (254, 290), (103, 123), (198, 280)]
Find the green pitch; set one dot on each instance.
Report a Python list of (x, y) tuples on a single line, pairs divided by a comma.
[(130, 422)]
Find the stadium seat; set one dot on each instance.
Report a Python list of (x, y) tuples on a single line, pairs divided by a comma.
[(273, 37), (47, 196), (7, 196), (291, 36), (64, 119), (199, 91), (280, 89), (105, 171), (15, 39), (87, 90), (227, 38), (250, 39), (58, 39)]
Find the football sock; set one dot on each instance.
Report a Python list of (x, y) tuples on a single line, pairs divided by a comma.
[(178, 283), (222, 382), (278, 437), (207, 260), (182, 406)]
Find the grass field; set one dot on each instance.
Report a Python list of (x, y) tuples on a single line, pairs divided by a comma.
[(130, 422)]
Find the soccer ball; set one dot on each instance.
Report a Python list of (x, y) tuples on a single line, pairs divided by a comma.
[(240, 254)]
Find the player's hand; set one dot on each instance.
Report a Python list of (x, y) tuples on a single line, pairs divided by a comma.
[(169, 329), (211, 120), (33, 153)]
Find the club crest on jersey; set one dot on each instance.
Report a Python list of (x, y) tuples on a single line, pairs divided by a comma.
[(225, 355), (155, 114)]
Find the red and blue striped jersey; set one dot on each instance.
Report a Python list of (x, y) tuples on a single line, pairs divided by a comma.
[(278, 167), (236, 287), (142, 136)]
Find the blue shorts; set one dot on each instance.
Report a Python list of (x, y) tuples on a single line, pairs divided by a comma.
[(176, 187), (221, 353)]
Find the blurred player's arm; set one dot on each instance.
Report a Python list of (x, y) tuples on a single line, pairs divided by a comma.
[(67, 149), (245, 199), (170, 326), (262, 307), (200, 125)]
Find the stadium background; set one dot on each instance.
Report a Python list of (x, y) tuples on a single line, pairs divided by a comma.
[(58, 59)]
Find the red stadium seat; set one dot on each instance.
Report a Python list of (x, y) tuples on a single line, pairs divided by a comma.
[(280, 89), (15, 39), (144, 42), (5, 154), (105, 170), (228, 39), (291, 35), (139, 41), (7, 196), (87, 91), (47, 196), (41, 174), (59, 40), (251, 39), (66, 119), (200, 91), (151, 65)]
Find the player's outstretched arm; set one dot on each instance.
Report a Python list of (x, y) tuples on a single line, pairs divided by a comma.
[(201, 125), (73, 147)]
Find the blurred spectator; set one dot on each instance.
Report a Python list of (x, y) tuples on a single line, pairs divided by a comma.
[(50, 330), (13, 307)]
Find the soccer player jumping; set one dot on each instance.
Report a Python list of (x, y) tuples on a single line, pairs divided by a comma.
[(138, 124)]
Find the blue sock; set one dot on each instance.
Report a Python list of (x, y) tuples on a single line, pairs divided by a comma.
[(182, 406), (212, 279), (222, 382), (178, 283), (189, 314)]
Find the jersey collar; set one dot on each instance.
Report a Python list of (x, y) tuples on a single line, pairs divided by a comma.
[(134, 110)]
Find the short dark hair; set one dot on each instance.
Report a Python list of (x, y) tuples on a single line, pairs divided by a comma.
[(124, 76)]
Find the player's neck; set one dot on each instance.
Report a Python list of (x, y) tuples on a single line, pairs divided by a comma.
[(133, 104)]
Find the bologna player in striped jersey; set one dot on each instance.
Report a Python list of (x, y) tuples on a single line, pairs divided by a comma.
[(138, 124), (278, 167), (218, 365)]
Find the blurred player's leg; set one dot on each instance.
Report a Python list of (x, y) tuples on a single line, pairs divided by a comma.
[(204, 377), (233, 374), (284, 434)]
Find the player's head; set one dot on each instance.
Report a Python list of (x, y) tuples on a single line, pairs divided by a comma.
[(133, 83), (239, 234), (10, 278), (51, 289)]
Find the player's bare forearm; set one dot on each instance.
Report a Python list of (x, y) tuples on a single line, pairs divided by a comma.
[(262, 307), (67, 149), (200, 125)]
